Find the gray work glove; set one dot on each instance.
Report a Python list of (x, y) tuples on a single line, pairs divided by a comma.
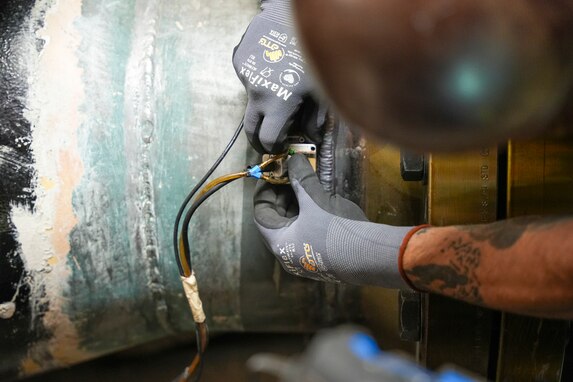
[(270, 65), (326, 237)]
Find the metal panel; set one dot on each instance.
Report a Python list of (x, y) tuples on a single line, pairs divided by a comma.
[(462, 190), (539, 183), (388, 199)]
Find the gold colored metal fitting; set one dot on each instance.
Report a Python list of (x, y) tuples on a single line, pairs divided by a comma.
[(278, 173)]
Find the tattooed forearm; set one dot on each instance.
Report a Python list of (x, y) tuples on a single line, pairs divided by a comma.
[(457, 278), (521, 265), (505, 233)]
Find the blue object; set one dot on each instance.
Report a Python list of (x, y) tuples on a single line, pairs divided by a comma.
[(452, 376), (255, 172), (364, 347)]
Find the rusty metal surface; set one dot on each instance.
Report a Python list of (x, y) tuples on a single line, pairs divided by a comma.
[(540, 182), (462, 189)]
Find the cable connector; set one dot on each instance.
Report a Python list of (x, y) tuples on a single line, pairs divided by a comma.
[(255, 172)]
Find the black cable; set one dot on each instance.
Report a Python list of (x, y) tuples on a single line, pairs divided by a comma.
[(185, 233), (200, 352), (186, 249), (184, 376), (194, 191), (190, 212)]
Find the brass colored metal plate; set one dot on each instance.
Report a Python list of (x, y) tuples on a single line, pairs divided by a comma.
[(462, 190), (540, 177), (540, 182)]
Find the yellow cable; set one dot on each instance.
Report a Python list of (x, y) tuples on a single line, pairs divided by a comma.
[(192, 368), (226, 178), (183, 258), (221, 179), (209, 186)]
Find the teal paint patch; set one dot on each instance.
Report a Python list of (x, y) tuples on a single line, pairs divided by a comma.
[(108, 291), (199, 104), (152, 99), (172, 167)]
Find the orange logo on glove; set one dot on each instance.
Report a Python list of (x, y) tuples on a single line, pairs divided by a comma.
[(307, 261)]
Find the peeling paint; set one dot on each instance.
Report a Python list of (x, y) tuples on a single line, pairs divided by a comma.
[(17, 180), (53, 107), (130, 101)]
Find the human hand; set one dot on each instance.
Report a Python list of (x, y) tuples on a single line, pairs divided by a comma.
[(326, 237), (269, 63)]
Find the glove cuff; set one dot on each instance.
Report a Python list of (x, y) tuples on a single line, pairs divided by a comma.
[(279, 11), (365, 253)]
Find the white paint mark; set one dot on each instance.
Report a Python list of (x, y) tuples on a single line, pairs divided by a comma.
[(7, 310)]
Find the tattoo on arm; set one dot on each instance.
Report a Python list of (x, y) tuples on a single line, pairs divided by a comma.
[(458, 278), (450, 265), (505, 233), (456, 274)]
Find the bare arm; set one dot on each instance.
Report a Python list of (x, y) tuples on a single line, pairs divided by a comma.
[(521, 265)]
